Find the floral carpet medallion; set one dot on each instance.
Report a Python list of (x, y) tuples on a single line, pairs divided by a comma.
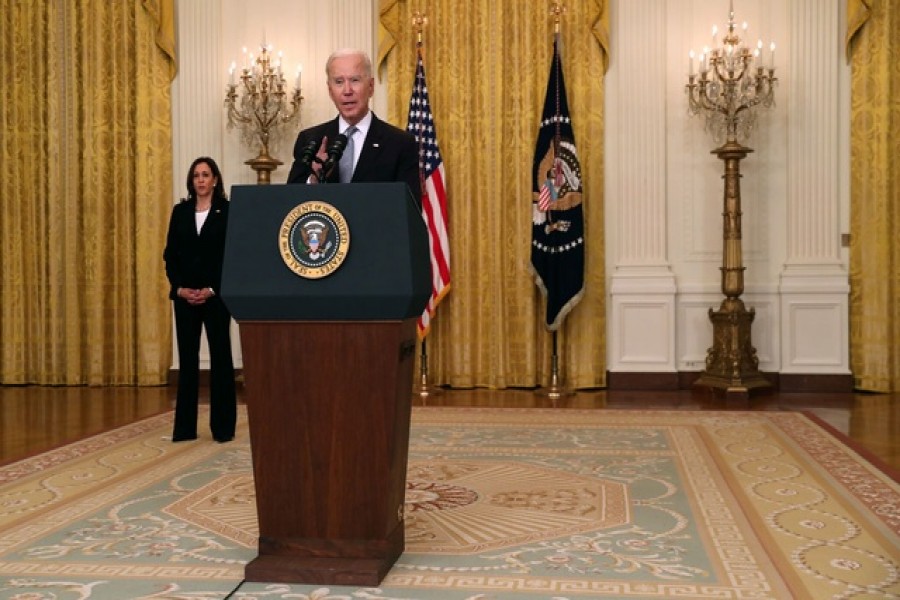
[(501, 504)]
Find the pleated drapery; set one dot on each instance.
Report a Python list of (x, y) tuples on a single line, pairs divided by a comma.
[(85, 191), (873, 47), (488, 62)]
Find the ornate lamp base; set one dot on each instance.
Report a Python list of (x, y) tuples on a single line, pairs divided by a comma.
[(731, 362), (263, 165)]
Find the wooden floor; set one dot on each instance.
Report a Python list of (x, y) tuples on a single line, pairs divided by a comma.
[(34, 419)]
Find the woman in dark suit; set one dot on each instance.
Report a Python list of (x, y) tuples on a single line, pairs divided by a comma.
[(195, 248)]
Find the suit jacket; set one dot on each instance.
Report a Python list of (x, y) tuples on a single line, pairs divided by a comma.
[(195, 260), (388, 154)]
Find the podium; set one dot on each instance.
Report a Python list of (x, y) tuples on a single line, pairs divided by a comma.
[(328, 370)]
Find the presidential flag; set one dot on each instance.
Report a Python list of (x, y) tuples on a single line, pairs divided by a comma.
[(420, 123), (557, 231)]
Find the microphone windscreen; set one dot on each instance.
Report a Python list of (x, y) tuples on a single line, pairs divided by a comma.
[(309, 151), (339, 143), (335, 151)]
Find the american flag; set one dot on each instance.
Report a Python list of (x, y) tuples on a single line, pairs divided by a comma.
[(420, 123)]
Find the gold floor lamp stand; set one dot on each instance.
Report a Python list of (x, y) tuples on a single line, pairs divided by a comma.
[(263, 165), (731, 362)]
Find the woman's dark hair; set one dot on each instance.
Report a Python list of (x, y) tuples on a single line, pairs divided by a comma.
[(219, 191)]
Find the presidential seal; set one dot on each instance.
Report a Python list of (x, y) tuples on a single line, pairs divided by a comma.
[(314, 239)]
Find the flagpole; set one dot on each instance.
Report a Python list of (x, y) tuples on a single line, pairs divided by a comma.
[(555, 391), (423, 389)]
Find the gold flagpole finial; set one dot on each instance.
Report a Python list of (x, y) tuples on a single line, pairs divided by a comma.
[(419, 21), (557, 10)]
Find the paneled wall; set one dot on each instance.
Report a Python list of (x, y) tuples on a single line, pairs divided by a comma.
[(665, 190), (664, 187)]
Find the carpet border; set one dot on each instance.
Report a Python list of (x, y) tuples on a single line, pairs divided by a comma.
[(63, 451), (858, 448)]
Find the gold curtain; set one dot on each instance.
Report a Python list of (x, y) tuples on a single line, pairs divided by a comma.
[(85, 186), (873, 48), (487, 64)]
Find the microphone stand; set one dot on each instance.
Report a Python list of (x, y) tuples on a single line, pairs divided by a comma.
[(317, 172), (335, 151)]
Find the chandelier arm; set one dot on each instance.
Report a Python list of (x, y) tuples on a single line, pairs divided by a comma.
[(235, 116), (259, 105)]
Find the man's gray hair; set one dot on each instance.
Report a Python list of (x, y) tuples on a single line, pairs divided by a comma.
[(366, 61)]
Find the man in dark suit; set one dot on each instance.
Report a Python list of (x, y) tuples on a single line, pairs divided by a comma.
[(380, 151)]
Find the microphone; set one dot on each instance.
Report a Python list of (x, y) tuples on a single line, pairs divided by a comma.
[(335, 151), (308, 155)]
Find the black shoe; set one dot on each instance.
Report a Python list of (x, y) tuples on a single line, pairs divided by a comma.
[(224, 440), (183, 438)]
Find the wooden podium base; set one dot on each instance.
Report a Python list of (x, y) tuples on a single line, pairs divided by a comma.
[(348, 564), (320, 571), (329, 406)]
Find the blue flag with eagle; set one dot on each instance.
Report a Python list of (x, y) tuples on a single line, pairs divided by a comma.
[(557, 230)]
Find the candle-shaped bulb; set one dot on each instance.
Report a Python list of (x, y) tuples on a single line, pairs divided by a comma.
[(231, 73), (299, 71), (691, 63), (772, 55)]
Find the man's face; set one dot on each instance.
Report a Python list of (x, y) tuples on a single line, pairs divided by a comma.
[(350, 88)]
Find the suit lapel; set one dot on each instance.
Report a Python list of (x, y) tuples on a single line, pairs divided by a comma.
[(212, 219), (371, 148)]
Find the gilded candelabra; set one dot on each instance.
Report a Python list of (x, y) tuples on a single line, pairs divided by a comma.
[(260, 107), (732, 83)]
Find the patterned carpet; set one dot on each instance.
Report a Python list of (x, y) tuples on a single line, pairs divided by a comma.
[(502, 504)]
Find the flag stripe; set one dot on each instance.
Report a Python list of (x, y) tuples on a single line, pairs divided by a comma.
[(440, 241), (420, 123)]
